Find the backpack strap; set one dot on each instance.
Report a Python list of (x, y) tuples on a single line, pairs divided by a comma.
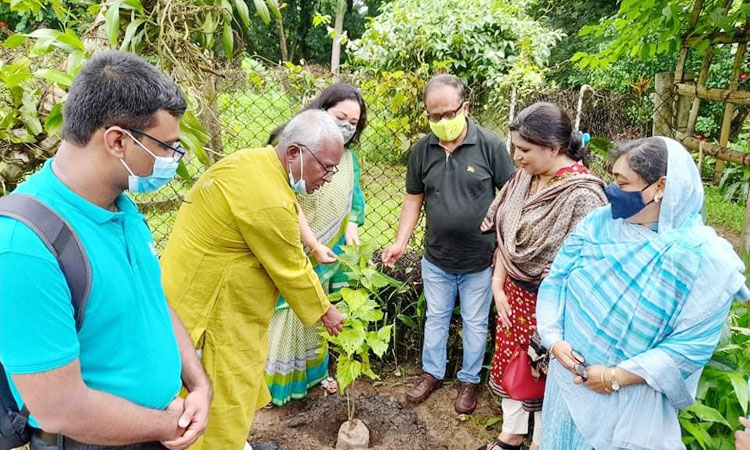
[(60, 239)]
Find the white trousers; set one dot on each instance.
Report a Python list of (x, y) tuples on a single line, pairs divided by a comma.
[(516, 420)]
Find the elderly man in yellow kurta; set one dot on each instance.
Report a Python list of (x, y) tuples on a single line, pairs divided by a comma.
[(235, 245)]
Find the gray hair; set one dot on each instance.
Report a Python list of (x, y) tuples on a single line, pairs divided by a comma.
[(310, 128), (446, 80), (647, 157)]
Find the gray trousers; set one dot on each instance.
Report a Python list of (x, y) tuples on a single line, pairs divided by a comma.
[(64, 443)]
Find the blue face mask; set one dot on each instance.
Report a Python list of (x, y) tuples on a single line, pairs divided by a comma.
[(300, 187), (625, 203), (163, 172)]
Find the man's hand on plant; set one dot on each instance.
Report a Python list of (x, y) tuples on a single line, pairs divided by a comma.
[(324, 255), (392, 254), (333, 320)]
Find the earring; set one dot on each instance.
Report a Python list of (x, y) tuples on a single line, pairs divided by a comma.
[(657, 199)]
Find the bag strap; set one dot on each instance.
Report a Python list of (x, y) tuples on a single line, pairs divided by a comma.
[(60, 239)]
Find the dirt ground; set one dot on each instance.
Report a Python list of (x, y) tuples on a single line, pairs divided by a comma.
[(313, 423)]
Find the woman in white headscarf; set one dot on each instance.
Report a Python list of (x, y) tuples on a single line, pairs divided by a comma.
[(633, 306)]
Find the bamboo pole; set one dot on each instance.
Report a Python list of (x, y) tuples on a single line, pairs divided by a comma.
[(702, 81), (720, 38), (716, 95), (723, 153), (726, 126), (694, 16)]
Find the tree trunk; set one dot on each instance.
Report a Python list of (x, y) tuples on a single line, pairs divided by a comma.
[(210, 119), (339, 27), (282, 41)]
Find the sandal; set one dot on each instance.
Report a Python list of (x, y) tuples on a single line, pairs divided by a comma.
[(498, 443), (329, 386)]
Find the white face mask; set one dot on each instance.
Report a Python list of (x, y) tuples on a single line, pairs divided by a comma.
[(163, 172), (347, 130), (300, 187)]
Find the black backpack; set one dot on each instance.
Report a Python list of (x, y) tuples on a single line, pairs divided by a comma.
[(65, 245)]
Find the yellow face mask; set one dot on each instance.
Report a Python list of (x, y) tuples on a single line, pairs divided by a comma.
[(448, 130)]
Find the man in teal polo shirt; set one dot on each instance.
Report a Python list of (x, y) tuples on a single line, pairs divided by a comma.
[(114, 382)]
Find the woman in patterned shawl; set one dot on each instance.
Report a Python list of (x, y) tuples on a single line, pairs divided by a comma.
[(640, 290), (331, 217), (532, 215)]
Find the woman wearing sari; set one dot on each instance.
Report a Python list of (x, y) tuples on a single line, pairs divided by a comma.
[(532, 215), (298, 356), (640, 290)]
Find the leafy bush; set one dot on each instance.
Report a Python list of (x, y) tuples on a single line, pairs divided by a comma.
[(489, 43), (722, 391), (361, 306)]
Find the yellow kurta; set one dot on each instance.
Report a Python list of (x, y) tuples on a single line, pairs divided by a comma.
[(235, 245)]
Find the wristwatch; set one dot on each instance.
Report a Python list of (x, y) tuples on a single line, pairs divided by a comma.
[(613, 375)]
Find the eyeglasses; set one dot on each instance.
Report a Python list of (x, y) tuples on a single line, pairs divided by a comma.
[(179, 150), (329, 172), (446, 115)]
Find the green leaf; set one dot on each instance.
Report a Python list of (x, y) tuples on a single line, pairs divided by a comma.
[(192, 143), (740, 389), (354, 298), (351, 339), (182, 171), (378, 346), (385, 333), (492, 421), (703, 438), (273, 5), (347, 371), (243, 12), (408, 321), (70, 41), (707, 414), (14, 40), (63, 79), (132, 4), (130, 31), (53, 122), (262, 8), (227, 40), (112, 20)]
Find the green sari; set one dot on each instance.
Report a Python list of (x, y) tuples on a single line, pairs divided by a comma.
[(298, 356)]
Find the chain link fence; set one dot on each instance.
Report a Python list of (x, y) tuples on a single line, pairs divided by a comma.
[(253, 102)]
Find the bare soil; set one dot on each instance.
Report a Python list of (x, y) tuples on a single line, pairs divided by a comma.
[(313, 423)]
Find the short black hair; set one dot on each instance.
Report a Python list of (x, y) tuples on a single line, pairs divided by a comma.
[(446, 80), (330, 97), (117, 88), (647, 157)]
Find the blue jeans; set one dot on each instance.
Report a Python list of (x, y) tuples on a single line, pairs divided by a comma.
[(475, 292)]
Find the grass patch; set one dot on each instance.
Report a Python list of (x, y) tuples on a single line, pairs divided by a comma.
[(729, 215)]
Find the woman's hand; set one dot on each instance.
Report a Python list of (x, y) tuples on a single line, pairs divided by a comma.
[(742, 438), (502, 304), (563, 352), (352, 234), (599, 379), (324, 255)]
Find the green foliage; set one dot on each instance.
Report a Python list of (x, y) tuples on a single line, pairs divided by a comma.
[(735, 179), (361, 306), (492, 43), (722, 391), (646, 28)]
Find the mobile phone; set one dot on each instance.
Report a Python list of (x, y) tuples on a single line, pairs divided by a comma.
[(581, 371), (580, 368)]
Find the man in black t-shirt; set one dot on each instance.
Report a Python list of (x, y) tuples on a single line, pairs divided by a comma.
[(455, 172)]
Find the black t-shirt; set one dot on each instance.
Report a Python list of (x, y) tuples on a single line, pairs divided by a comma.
[(458, 189)]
